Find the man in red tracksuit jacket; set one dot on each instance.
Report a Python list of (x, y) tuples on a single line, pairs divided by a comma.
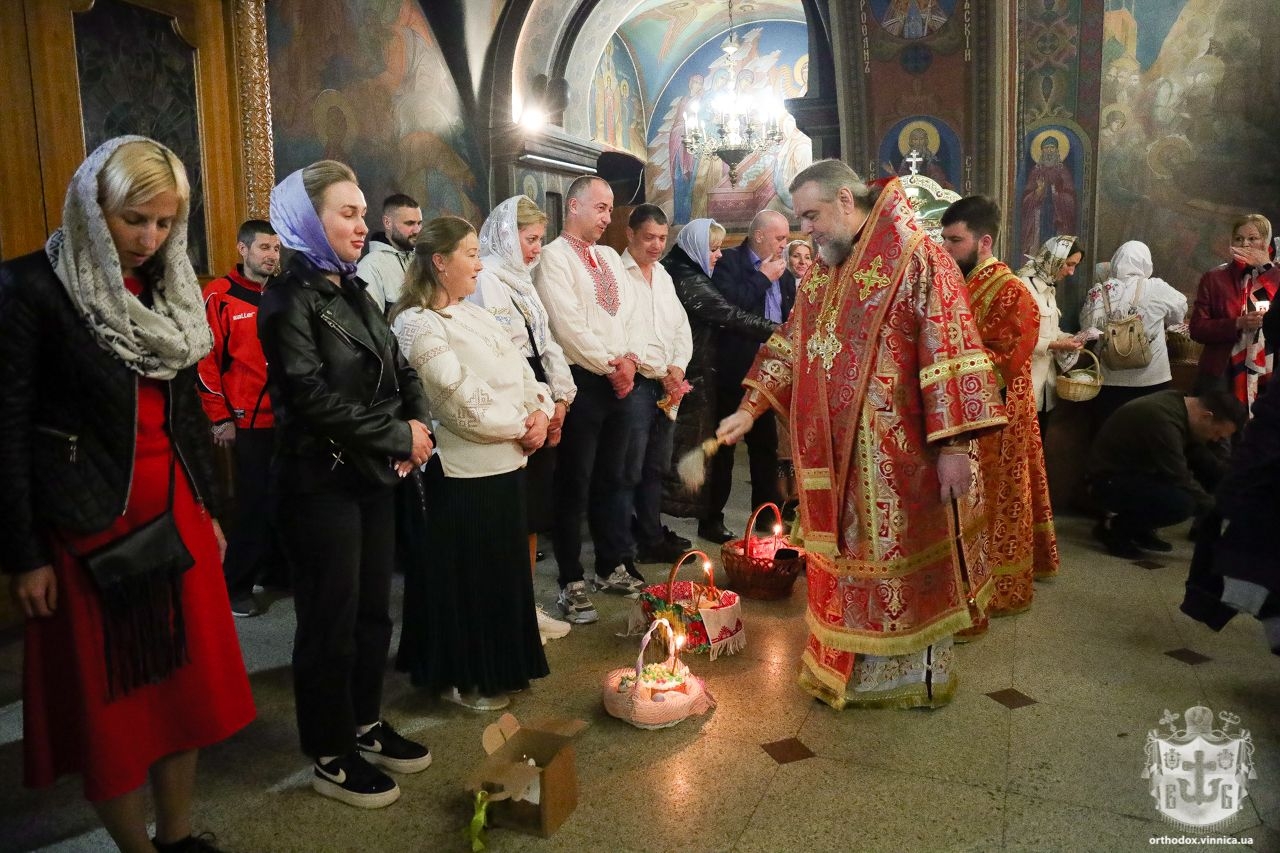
[(233, 380)]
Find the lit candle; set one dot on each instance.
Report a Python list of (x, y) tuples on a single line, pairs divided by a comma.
[(777, 531), (712, 594)]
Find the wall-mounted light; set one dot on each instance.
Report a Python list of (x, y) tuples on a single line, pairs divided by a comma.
[(546, 98)]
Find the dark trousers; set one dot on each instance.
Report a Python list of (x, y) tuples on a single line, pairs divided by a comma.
[(253, 549), (601, 456), (342, 548), (657, 462), (1141, 502), (762, 457)]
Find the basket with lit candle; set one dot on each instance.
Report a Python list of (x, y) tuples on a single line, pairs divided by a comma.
[(656, 694), (763, 567), (704, 617)]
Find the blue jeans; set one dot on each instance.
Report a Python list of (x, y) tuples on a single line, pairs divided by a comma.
[(657, 462), (599, 465)]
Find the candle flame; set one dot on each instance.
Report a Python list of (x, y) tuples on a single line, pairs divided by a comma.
[(777, 530)]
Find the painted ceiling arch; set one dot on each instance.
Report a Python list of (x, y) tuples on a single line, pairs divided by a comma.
[(668, 29)]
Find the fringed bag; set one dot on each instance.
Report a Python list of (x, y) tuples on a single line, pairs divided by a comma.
[(139, 581)]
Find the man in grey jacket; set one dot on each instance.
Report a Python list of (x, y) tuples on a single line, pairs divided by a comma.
[(384, 267)]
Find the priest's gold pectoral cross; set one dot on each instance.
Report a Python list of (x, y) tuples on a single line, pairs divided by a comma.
[(825, 346), (871, 278)]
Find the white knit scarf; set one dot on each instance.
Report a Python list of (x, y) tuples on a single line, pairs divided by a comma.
[(155, 342)]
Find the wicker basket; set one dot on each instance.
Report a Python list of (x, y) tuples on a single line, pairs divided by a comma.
[(1077, 391), (750, 564), (656, 706), (706, 619), (1183, 350)]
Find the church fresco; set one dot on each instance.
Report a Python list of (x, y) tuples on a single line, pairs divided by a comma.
[(912, 19), (772, 60), (936, 147), (1049, 198), (366, 84), (1187, 140), (617, 116)]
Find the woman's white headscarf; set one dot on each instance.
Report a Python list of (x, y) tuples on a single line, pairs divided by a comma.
[(695, 239), (501, 254), (155, 341)]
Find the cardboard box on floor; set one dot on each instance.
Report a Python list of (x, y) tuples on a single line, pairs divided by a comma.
[(524, 797)]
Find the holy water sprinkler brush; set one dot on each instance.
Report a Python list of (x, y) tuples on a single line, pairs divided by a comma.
[(692, 467)]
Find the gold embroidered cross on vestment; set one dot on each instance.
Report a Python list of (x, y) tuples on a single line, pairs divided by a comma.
[(871, 278), (817, 279)]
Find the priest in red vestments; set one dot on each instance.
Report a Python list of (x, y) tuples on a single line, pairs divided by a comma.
[(1021, 544), (883, 378)]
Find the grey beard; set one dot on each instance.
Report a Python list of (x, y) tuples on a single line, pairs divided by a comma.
[(837, 250)]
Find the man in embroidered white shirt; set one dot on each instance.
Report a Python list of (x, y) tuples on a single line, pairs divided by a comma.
[(660, 374), (585, 291)]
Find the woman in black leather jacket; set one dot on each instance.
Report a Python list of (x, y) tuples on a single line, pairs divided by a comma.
[(128, 672), (350, 422), (710, 317)]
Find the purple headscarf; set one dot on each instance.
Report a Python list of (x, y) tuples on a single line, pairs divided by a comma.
[(295, 219)]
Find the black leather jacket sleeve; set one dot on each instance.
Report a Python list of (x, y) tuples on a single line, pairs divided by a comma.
[(289, 325), (21, 548), (706, 305)]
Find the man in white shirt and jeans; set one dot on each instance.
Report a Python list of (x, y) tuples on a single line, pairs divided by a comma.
[(588, 298), (658, 309)]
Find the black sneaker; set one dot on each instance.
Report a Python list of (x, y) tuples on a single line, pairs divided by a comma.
[(352, 780), (202, 843), (245, 607), (1147, 540), (385, 747), (1118, 544)]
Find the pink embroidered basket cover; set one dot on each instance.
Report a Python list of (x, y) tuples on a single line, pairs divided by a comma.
[(752, 565), (656, 695), (709, 618)]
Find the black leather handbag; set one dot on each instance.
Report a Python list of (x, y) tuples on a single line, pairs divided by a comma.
[(155, 549)]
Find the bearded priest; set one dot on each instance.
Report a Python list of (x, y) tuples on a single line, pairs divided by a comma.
[(881, 373), (1021, 544)]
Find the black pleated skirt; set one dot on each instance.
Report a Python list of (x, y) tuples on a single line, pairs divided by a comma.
[(469, 619)]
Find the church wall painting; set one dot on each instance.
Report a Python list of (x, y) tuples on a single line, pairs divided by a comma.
[(617, 116), (1051, 198), (1060, 59), (912, 19), (369, 86), (936, 149), (1189, 95), (773, 60)]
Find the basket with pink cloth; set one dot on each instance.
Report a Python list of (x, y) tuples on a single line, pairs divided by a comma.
[(657, 694)]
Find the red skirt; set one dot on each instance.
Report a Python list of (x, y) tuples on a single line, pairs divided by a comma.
[(69, 724)]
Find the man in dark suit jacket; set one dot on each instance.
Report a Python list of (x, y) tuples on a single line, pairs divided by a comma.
[(754, 277)]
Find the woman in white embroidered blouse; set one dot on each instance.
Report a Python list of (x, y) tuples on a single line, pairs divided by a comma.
[(510, 246), (1131, 288), (469, 620)]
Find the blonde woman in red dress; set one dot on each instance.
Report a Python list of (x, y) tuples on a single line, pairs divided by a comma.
[(126, 676)]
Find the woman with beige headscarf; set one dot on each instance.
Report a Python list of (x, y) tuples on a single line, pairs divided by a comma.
[(1056, 260)]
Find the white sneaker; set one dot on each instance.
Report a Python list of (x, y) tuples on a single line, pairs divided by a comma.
[(575, 605), (475, 701), (620, 581), (550, 627)]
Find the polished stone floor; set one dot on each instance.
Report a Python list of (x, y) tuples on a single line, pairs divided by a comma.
[(1042, 749)]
